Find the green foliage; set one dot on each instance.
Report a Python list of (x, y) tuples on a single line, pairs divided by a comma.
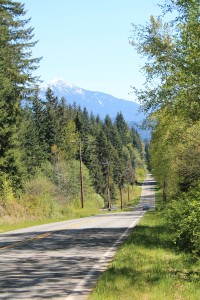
[(102, 150), (184, 219), (16, 80), (147, 155), (42, 140), (33, 147), (171, 95), (6, 192), (172, 69), (175, 152), (40, 198), (188, 156), (53, 131), (147, 267), (64, 177), (122, 128)]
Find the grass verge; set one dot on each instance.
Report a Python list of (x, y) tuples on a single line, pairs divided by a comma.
[(147, 267), (72, 212)]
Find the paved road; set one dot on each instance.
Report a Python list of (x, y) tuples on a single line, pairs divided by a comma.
[(63, 260)]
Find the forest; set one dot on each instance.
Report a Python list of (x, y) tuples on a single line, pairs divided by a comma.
[(53, 154), (44, 144)]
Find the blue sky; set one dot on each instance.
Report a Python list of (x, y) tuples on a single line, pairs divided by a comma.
[(86, 42)]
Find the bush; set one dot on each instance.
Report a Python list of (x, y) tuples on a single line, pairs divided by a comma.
[(6, 192), (40, 197), (57, 187), (140, 174), (184, 219)]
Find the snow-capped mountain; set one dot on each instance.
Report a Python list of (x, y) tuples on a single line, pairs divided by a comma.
[(96, 102)]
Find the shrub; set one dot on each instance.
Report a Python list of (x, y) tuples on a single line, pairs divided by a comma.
[(6, 192), (40, 197), (184, 219)]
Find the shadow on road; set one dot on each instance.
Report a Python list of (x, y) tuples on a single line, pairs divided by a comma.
[(36, 269), (41, 263)]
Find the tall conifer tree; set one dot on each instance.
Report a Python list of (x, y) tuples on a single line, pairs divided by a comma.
[(16, 80)]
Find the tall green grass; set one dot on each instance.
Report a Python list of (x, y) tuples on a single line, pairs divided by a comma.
[(147, 267), (67, 213)]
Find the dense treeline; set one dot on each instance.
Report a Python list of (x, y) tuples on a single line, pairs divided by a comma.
[(54, 132), (51, 137), (42, 140), (172, 94)]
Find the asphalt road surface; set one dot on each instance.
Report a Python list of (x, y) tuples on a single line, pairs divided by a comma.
[(63, 260)]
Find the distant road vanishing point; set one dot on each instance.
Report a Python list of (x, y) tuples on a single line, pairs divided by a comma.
[(63, 260)]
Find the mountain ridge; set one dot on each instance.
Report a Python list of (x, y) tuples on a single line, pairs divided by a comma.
[(95, 101)]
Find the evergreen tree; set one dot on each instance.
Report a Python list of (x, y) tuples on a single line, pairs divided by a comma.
[(86, 122), (31, 150), (123, 129), (39, 116), (52, 121), (93, 125), (32, 135), (16, 81), (112, 134), (91, 160), (78, 120), (60, 128), (137, 142), (108, 127)]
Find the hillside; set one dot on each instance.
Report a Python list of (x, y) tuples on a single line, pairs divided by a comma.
[(95, 101)]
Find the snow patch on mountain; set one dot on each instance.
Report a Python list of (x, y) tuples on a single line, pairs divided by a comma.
[(98, 103), (59, 82), (60, 86)]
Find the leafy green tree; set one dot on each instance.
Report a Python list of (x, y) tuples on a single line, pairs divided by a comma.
[(173, 53), (171, 95), (187, 155), (172, 85), (183, 215), (147, 154), (70, 140)]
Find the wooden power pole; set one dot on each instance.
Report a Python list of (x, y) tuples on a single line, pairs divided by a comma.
[(81, 176), (128, 193), (121, 190), (109, 203)]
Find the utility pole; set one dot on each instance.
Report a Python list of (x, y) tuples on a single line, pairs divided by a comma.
[(128, 193), (121, 190), (109, 203), (81, 175), (108, 183)]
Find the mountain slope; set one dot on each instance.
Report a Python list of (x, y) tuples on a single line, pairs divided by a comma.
[(96, 102)]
